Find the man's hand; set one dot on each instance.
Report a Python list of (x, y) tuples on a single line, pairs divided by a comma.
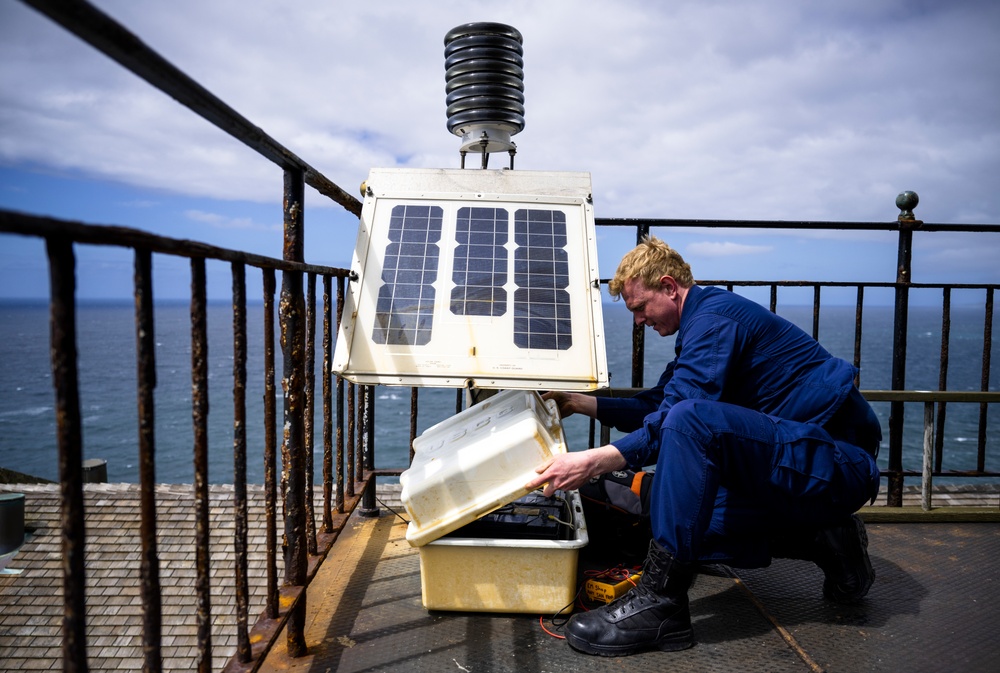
[(573, 403), (569, 471)]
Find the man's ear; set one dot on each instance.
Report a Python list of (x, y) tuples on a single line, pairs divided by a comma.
[(669, 285)]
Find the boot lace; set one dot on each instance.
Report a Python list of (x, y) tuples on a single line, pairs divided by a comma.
[(642, 593)]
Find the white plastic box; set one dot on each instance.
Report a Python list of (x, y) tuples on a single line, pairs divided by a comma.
[(503, 575), (468, 466)]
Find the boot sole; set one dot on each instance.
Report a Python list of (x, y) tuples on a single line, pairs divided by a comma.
[(675, 642)]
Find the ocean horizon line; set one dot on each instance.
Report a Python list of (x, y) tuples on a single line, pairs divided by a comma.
[(31, 302)]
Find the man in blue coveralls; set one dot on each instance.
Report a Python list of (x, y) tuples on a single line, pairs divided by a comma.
[(763, 448)]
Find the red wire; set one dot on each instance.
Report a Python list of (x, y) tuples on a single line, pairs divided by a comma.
[(618, 573), (542, 624)]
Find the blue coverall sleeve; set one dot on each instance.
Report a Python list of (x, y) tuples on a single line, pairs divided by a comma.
[(708, 348), (627, 413)]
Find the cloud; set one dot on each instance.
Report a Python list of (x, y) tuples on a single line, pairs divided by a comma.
[(139, 203), (716, 109), (726, 249), (220, 221), (950, 257), (688, 109)]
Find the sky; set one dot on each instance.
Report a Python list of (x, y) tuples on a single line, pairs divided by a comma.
[(730, 109)]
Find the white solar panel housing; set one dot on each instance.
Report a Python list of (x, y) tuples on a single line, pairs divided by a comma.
[(475, 277)]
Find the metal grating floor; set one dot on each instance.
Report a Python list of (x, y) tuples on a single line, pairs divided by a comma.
[(934, 607), (935, 604)]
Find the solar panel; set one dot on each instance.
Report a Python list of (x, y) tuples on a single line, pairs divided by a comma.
[(542, 317), (480, 262), (405, 307), (474, 277)]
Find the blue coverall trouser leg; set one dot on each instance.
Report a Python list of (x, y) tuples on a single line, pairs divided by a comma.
[(728, 478)]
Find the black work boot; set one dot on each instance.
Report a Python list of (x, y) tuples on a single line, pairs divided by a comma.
[(842, 552), (653, 615)]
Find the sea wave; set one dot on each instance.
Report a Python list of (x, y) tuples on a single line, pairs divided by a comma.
[(27, 411)]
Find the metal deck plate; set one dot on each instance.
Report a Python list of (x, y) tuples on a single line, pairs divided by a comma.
[(933, 605)]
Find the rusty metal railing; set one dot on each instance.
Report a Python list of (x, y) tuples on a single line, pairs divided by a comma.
[(304, 546)]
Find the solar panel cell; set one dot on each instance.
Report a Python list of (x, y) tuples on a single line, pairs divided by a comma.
[(405, 304)]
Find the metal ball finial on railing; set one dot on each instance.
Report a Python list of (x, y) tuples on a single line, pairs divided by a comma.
[(906, 202)]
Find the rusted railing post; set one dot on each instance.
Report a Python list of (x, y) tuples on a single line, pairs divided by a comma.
[(340, 413), (270, 449), (199, 420), (145, 348), (327, 405), (985, 381), (62, 352), (414, 404), (816, 309), (927, 464), (241, 527), (638, 331), (367, 434), (352, 443), (310, 411), (859, 312), (906, 202), (292, 312), (943, 375), (366, 458)]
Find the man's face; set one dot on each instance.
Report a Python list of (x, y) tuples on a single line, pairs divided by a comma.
[(657, 308)]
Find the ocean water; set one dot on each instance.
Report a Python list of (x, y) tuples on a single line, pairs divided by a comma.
[(106, 346)]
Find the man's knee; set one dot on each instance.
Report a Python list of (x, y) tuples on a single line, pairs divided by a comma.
[(690, 417)]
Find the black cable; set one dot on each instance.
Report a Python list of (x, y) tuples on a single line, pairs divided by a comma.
[(401, 517)]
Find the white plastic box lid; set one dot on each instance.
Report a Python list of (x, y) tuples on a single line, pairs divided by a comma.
[(476, 461)]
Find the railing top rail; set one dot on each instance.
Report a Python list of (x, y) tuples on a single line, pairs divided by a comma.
[(914, 225), (931, 396), (870, 395), (841, 283), (111, 38), (34, 225)]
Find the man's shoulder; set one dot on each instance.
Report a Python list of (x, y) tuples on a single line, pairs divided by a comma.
[(711, 298), (715, 303)]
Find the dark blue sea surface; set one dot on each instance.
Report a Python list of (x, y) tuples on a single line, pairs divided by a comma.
[(106, 345)]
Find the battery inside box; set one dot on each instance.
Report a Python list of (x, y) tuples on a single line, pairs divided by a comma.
[(532, 517)]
